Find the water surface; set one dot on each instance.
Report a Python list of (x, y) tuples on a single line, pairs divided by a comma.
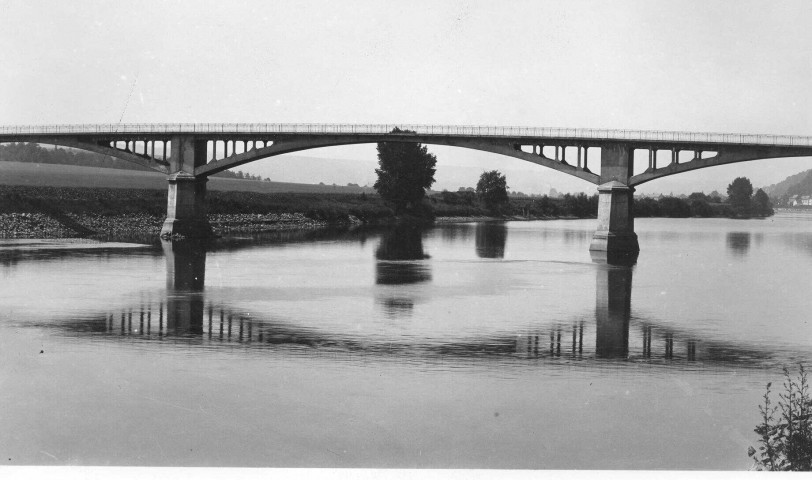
[(486, 345)]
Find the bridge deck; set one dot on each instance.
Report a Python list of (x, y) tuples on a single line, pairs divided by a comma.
[(423, 130)]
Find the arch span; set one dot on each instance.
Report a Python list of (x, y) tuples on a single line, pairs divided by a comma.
[(724, 155), (500, 146), (101, 148)]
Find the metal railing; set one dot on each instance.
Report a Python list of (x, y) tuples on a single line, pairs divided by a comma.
[(381, 129)]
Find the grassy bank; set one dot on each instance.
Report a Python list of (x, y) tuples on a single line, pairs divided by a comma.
[(53, 212)]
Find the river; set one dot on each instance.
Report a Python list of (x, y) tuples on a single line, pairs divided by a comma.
[(490, 345)]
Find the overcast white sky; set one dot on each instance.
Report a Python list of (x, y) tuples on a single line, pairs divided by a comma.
[(729, 66)]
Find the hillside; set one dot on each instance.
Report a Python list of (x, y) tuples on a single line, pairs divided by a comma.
[(798, 184), (34, 154), (51, 175)]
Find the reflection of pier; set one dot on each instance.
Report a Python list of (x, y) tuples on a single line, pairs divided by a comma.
[(184, 314)]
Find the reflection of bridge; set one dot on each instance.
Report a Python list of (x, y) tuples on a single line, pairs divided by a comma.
[(184, 314), (189, 153)]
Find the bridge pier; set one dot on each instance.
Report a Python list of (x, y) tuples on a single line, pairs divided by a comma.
[(615, 231), (186, 207), (186, 198)]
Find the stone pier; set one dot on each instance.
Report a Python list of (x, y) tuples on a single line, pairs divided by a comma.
[(186, 199), (615, 231)]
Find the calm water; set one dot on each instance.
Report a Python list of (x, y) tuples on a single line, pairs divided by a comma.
[(466, 346)]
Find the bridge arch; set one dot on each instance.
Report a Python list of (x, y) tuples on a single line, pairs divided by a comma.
[(724, 156), (100, 148), (507, 147)]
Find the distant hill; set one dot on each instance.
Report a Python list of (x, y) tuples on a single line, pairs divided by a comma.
[(50, 175), (31, 164), (798, 184), (34, 153)]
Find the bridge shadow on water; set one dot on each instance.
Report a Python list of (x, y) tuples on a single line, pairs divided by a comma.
[(184, 314)]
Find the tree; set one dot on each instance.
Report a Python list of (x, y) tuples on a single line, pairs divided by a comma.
[(492, 189), (762, 204), (739, 193), (674, 207), (406, 171)]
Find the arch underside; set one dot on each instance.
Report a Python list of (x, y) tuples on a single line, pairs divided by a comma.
[(101, 147), (279, 145), (722, 157), (289, 145)]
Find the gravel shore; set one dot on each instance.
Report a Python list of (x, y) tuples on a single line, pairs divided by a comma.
[(40, 225)]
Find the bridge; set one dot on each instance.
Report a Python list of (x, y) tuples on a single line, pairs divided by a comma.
[(188, 153)]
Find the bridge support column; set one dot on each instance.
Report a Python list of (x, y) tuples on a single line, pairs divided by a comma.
[(186, 208), (186, 199), (615, 232)]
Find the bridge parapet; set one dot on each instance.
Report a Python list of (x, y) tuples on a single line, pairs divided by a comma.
[(632, 135)]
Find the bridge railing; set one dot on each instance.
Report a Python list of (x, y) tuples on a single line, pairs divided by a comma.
[(380, 129)]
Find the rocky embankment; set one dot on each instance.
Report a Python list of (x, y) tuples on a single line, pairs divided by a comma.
[(41, 225)]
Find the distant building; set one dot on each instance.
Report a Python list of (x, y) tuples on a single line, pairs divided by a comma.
[(800, 200)]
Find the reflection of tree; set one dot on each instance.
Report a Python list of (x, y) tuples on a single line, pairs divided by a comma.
[(402, 242), (738, 242), (397, 306), (398, 250), (455, 231), (400, 256), (490, 240)]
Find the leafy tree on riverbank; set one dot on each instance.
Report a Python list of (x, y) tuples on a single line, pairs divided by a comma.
[(762, 205), (739, 194), (406, 171), (492, 189)]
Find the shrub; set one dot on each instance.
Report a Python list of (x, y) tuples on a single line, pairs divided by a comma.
[(786, 428)]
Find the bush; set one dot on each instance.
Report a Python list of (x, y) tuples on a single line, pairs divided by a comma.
[(786, 439)]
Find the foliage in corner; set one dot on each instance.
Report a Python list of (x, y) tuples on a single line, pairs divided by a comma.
[(786, 428)]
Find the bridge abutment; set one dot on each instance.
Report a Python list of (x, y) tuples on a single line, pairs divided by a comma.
[(186, 198), (615, 231)]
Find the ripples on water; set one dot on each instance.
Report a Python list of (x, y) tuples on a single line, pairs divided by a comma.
[(493, 303)]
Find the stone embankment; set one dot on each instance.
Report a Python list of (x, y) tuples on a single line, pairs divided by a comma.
[(41, 225)]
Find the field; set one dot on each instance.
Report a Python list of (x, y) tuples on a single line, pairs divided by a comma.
[(52, 175)]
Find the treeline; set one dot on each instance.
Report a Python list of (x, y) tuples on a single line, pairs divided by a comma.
[(469, 204), (698, 204), (34, 153)]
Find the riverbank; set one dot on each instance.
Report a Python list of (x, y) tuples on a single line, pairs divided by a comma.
[(68, 212), (40, 225)]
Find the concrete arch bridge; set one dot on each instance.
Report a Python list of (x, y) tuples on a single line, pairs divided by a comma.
[(189, 153)]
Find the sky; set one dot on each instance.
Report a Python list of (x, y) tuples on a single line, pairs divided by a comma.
[(718, 66)]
